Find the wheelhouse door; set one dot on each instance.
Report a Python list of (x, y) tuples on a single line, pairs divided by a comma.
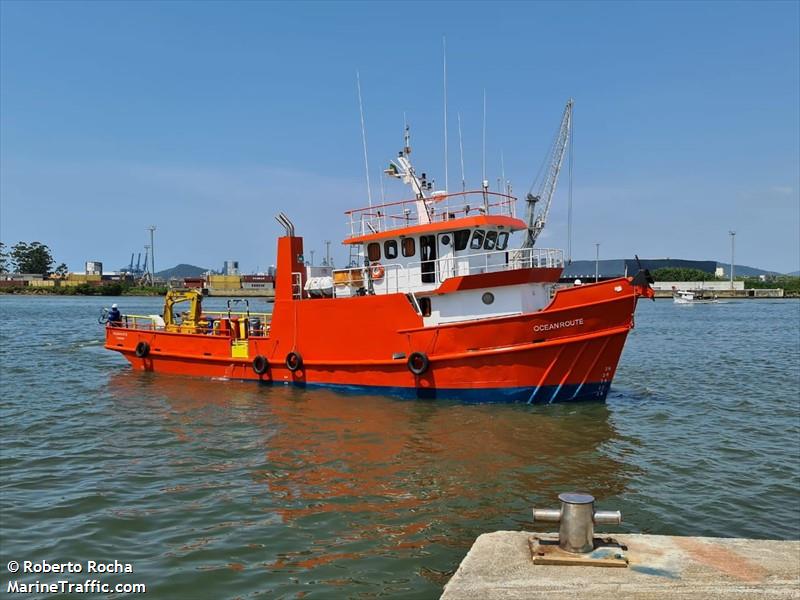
[(446, 257)]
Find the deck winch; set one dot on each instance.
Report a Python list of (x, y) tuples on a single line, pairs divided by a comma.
[(576, 543)]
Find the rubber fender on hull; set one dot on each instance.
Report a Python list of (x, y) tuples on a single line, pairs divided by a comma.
[(418, 363), (142, 349), (260, 365), (294, 361)]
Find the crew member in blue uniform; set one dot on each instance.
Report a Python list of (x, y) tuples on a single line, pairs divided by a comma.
[(114, 316)]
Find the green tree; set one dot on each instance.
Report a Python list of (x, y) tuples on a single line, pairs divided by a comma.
[(681, 274), (62, 270), (32, 258), (4, 259)]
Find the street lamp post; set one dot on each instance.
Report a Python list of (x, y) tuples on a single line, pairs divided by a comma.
[(733, 238), (146, 277), (597, 262), (152, 229)]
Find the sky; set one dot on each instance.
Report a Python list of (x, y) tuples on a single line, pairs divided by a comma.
[(206, 119)]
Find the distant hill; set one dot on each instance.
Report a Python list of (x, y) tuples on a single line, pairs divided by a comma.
[(794, 273), (745, 271), (182, 270), (619, 266)]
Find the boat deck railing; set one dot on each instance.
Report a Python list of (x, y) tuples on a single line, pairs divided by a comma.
[(216, 323), (441, 207), (406, 278)]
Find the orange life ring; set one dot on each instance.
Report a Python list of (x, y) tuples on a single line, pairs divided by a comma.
[(377, 270)]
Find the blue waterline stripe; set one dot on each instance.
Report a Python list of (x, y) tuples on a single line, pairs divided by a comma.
[(553, 393)]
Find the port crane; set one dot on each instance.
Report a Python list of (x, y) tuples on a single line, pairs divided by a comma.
[(547, 181)]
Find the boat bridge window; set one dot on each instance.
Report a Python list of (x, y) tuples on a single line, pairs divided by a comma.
[(374, 251), (390, 249), (427, 248), (491, 240), (502, 240), (477, 239), (461, 238), (409, 247), (425, 306)]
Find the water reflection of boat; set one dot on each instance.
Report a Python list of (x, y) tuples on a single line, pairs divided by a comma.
[(693, 296), (336, 480)]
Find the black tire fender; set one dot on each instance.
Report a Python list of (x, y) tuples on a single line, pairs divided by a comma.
[(294, 361), (260, 364), (418, 363), (142, 349)]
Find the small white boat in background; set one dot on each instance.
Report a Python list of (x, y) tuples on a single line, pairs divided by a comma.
[(692, 297)]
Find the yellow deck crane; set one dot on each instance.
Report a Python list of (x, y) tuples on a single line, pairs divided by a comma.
[(190, 320)]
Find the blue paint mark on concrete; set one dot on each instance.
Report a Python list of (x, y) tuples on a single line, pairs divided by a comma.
[(653, 571)]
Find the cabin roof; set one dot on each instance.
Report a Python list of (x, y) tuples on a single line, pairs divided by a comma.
[(498, 221)]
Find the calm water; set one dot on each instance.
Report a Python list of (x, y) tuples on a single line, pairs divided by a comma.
[(216, 489)]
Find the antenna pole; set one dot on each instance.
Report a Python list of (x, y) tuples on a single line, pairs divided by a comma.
[(503, 188), (444, 65), (483, 158), (363, 137), (461, 149)]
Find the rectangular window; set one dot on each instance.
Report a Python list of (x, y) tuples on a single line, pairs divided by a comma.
[(491, 240), (427, 248), (390, 249), (409, 247), (502, 240), (461, 238), (477, 239), (374, 251)]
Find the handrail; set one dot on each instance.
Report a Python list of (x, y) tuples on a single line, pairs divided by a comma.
[(208, 312), (375, 219), (262, 320), (435, 198), (397, 277)]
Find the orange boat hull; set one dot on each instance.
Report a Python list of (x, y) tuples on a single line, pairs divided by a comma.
[(568, 351)]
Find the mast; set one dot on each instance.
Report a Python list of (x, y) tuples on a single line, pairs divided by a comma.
[(402, 169), (483, 154), (364, 137), (461, 150), (444, 68)]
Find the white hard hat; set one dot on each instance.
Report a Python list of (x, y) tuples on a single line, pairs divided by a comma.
[(114, 305), (578, 282)]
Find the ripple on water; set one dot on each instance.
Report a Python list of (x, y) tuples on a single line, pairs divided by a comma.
[(224, 489)]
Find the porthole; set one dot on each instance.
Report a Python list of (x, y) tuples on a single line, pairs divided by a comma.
[(390, 249), (488, 297)]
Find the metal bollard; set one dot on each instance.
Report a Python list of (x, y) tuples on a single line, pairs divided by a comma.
[(576, 518)]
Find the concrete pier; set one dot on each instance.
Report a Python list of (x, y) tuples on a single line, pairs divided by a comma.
[(499, 566)]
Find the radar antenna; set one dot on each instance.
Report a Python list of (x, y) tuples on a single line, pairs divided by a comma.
[(547, 183), (401, 168)]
